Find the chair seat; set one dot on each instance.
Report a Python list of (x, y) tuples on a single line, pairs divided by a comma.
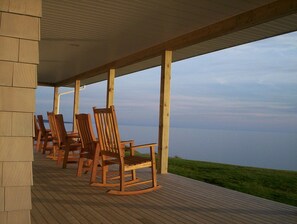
[(73, 146), (72, 134), (134, 162)]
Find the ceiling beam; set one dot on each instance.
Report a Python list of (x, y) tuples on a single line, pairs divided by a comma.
[(265, 13), (46, 84)]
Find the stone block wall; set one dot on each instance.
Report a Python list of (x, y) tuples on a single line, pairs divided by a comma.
[(19, 56)]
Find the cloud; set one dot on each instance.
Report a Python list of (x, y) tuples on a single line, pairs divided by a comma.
[(225, 112), (219, 104), (271, 61)]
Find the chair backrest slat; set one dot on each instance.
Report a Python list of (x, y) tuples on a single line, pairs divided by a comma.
[(108, 134)]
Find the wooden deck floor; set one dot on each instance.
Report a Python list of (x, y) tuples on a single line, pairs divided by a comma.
[(58, 196)]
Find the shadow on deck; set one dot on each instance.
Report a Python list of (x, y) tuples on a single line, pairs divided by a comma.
[(58, 196)]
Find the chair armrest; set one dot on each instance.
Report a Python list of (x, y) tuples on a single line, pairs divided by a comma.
[(144, 145), (151, 146), (127, 142), (125, 147)]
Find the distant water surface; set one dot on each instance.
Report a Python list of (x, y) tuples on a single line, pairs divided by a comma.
[(247, 148)]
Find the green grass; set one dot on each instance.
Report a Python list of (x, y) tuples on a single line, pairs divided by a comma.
[(275, 185)]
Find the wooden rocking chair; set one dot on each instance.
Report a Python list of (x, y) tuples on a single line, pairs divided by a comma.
[(90, 145), (45, 135), (66, 142), (37, 137), (110, 146), (54, 134)]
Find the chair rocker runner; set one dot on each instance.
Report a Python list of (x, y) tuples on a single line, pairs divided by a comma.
[(110, 146)]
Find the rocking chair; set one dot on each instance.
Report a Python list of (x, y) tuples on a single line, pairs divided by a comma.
[(66, 142), (54, 134), (37, 137), (88, 143), (45, 136), (89, 147), (110, 146)]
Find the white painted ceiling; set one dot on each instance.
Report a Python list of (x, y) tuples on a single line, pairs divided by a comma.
[(77, 36)]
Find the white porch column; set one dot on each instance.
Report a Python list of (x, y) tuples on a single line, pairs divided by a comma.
[(164, 117)]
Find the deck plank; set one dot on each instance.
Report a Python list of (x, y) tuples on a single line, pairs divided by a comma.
[(58, 196)]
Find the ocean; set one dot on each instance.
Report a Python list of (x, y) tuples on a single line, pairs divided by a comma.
[(273, 150)]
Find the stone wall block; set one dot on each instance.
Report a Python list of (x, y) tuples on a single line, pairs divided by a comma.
[(14, 149), (5, 123), (29, 52), (17, 99), (1, 199), (22, 124), (25, 75), (20, 26), (3, 217), (6, 73), (28, 7), (17, 174), (4, 5), (19, 217), (17, 198), (9, 48)]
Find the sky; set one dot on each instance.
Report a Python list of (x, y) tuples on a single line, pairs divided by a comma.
[(249, 87)]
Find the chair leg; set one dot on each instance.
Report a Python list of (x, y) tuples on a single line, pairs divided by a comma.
[(153, 168), (38, 142), (94, 169), (80, 166), (58, 155), (45, 143), (95, 165), (104, 173), (154, 177), (133, 172), (122, 179), (66, 153)]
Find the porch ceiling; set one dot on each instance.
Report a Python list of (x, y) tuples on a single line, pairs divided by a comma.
[(82, 39)]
